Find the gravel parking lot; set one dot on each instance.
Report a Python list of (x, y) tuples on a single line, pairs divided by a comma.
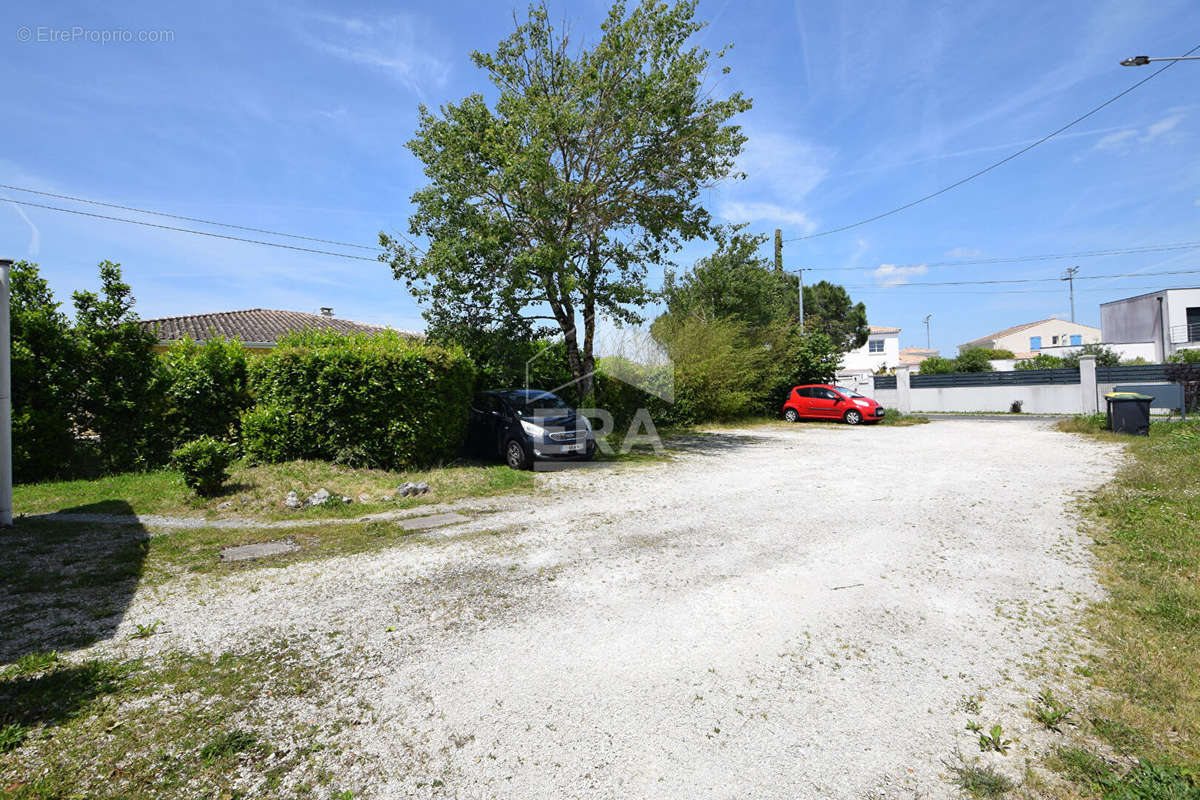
[(780, 612)]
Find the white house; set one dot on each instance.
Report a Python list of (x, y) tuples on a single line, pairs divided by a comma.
[(881, 351), (1027, 340), (1157, 324)]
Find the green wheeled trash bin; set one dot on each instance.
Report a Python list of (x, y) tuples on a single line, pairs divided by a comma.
[(1129, 412)]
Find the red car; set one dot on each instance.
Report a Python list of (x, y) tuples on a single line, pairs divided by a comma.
[(820, 401)]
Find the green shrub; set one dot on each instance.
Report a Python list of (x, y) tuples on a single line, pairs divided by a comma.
[(1001, 353), (120, 397), (1105, 357), (936, 365), (207, 389), (380, 401), (976, 359), (1186, 357), (45, 377), (1041, 361), (204, 463)]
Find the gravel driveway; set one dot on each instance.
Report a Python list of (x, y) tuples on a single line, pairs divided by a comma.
[(778, 613)]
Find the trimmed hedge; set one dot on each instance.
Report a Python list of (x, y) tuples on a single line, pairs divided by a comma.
[(206, 389), (368, 400)]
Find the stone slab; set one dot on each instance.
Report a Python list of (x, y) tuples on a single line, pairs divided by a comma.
[(261, 550), (432, 521)]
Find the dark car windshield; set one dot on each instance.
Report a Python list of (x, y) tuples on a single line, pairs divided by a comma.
[(536, 404), (850, 392)]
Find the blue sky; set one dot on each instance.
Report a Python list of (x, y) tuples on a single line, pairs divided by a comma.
[(293, 117)]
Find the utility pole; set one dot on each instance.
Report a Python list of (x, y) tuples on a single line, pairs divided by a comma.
[(800, 281), (1070, 279), (928, 346), (6, 474), (778, 250)]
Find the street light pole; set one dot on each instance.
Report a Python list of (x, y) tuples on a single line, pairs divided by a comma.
[(1141, 61), (800, 281), (928, 346), (6, 475)]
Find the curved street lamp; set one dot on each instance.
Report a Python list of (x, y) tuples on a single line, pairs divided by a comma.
[(1141, 61)]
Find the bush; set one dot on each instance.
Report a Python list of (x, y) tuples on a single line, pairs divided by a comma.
[(1186, 357), (121, 394), (1001, 354), (45, 378), (204, 464), (976, 359), (936, 365), (717, 376), (1040, 361), (1105, 357), (379, 400), (207, 389)]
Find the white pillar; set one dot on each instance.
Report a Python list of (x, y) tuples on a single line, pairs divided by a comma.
[(903, 397), (6, 476), (1088, 397)]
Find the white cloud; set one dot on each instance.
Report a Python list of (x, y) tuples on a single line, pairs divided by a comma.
[(767, 212), (1124, 139), (398, 45), (892, 275), (788, 166), (1116, 141), (1163, 126), (35, 236), (964, 252)]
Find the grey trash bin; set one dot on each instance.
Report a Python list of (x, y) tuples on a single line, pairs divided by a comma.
[(1129, 412)]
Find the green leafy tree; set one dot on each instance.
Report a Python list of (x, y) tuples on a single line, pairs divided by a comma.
[(733, 283), (1040, 361), (975, 359), (45, 370), (508, 354), (207, 389), (120, 398), (1105, 356), (590, 165), (937, 365), (829, 309)]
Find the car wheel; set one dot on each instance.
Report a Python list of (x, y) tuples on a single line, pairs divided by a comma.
[(516, 456), (791, 415), (853, 417)]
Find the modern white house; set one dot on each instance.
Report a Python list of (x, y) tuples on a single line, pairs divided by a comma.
[(881, 352), (1155, 325), (1026, 341)]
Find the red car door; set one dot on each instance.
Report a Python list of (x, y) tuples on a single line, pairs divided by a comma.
[(824, 403)]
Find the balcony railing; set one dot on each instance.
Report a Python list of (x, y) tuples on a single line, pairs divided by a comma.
[(1181, 334)]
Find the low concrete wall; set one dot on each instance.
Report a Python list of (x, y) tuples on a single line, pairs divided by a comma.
[(1061, 399)]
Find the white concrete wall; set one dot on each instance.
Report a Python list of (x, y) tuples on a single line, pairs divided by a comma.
[(1049, 399), (1178, 301), (888, 398)]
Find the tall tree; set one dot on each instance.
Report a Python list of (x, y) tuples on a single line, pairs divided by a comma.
[(828, 308), (589, 167)]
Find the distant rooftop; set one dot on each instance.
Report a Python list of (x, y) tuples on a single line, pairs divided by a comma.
[(253, 325), (883, 329), (1019, 328)]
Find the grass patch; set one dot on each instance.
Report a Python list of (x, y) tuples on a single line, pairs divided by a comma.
[(186, 726), (896, 419), (259, 491), (1146, 524), (979, 780)]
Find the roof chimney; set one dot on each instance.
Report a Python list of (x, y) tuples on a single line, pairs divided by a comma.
[(326, 311)]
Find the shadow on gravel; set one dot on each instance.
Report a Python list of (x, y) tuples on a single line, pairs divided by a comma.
[(66, 585)]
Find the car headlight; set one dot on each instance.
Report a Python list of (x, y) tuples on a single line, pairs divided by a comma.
[(863, 403), (535, 431)]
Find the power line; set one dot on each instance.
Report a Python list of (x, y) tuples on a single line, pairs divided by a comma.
[(1156, 248), (188, 230), (185, 219), (1001, 162), (1002, 281)]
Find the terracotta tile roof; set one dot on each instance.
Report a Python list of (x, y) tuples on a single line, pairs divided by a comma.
[(915, 355), (258, 325), (882, 329)]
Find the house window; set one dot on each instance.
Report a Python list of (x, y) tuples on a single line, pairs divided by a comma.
[(1076, 339), (1035, 343), (1053, 340), (875, 346)]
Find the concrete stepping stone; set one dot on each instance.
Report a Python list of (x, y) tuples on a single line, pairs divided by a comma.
[(260, 550)]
